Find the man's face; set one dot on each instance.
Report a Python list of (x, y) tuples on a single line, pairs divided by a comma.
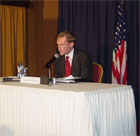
[(64, 47)]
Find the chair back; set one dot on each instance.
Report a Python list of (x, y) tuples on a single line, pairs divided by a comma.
[(97, 72)]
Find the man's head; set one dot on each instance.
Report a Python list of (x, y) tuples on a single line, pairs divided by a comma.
[(65, 42)]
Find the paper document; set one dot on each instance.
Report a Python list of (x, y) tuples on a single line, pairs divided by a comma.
[(69, 79), (11, 79)]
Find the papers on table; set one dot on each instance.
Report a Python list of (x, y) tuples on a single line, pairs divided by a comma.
[(11, 79), (69, 79)]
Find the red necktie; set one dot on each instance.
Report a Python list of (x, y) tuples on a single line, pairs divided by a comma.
[(67, 67)]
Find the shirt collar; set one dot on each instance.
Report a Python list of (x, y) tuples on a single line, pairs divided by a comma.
[(70, 54)]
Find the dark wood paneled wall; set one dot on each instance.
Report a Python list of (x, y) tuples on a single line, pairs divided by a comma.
[(42, 30)]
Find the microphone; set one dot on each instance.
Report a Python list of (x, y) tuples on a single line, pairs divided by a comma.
[(52, 60)]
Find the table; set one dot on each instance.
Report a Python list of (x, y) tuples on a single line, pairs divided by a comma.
[(77, 109)]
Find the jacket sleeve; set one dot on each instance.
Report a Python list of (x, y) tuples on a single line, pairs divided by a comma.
[(86, 66)]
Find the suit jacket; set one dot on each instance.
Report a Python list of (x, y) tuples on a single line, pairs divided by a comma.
[(81, 65)]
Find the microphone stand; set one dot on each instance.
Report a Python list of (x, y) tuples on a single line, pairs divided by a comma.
[(50, 83), (49, 73)]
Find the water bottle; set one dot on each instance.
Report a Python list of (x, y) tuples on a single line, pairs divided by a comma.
[(20, 70), (25, 71)]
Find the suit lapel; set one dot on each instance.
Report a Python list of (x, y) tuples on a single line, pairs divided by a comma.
[(62, 65), (74, 62)]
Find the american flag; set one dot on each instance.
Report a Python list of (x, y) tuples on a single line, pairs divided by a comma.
[(119, 62)]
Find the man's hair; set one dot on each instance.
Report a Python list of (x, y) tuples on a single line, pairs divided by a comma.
[(69, 35)]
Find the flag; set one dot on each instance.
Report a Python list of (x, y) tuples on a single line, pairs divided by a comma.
[(119, 62)]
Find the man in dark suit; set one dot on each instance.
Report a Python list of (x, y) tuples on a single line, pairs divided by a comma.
[(79, 61)]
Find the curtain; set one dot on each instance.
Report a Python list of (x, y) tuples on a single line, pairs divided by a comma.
[(13, 39), (133, 50), (93, 23)]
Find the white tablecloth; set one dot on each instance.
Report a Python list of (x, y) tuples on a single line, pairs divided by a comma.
[(77, 109)]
